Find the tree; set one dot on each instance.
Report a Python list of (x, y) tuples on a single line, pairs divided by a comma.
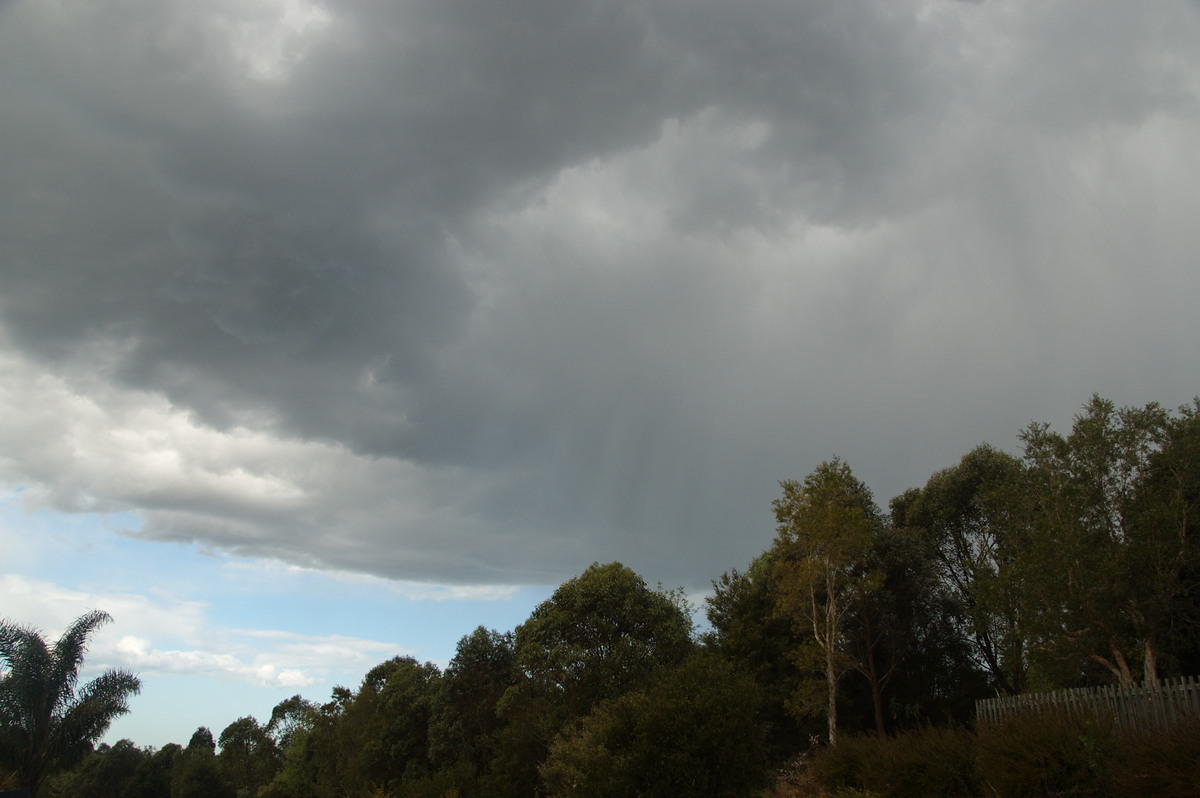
[(249, 757), (748, 631), (1165, 546), (104, 773), (464, 723), (288, 717), (602, 633), (196, 774), (693, 732), (969, 515), (306, 734), (45, 722), (385, 729), (1083, 487), (827, 525), (152, 778)]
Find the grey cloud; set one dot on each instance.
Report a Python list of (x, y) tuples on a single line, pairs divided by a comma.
[(598, 272)]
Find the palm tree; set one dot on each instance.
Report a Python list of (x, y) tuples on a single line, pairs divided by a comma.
[(44, 721)]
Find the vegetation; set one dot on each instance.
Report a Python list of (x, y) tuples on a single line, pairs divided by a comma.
[(844, 660), (45, 722)]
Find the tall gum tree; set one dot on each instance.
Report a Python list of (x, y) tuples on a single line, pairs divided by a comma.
[(826, 527), (1096, 596), (968, 516)]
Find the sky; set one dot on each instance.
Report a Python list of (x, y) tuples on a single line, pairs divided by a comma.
[(330, 331)]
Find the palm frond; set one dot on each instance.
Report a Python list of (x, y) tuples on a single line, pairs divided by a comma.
[(43, 720), (68, 654)]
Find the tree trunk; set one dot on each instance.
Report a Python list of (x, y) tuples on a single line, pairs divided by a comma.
[(877, 702), (1118, 666), (831, 678), (1150, 663)]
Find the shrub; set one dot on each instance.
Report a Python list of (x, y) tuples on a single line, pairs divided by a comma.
[(692, 733), (923, 762), (1163, 764), (1047, 753)]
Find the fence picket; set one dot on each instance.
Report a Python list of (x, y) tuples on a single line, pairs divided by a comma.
[(1150, 704)]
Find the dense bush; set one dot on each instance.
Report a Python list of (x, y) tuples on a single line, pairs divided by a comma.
[(1030, 754), (1047, 753), (694, 732), (924, 762), (1159, 764)]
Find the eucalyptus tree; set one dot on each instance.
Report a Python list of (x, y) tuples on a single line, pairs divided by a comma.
[(1165, 544), (748, 631), (1097, 594), (970, 515), (827, 526), (46, 719), (602, 633)]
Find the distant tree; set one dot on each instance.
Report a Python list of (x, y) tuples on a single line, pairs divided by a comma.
[(152, 777), (827, 526), (104, 773), (289, 716), (196, 774), (45, 722), (202, 741), (249, 757), (602, 633), (384, 731), (599, 635), (693, 732), (465, 722), (307, 735)]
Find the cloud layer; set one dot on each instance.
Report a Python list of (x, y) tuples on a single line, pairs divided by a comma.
[(478, 292)]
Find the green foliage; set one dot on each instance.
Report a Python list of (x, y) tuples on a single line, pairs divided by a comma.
[(827, 526), (969, 516), (101, 774), (383, 733), (602, 633), (1164, 546), (46, 720), (249, 757), (464, 721), (1103, 604), (693, 732), (749, 632), (923, 762), (152, 777), (292, 715), (1047, 753), (196, 774)]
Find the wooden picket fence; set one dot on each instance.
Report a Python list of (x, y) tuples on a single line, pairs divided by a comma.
[(1153, 705)]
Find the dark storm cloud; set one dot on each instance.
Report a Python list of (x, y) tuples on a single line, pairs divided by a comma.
[(499, 288)]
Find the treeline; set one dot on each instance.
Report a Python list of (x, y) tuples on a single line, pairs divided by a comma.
[(1073, 564)]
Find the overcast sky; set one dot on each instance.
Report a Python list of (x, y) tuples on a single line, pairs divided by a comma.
[(444, 299)]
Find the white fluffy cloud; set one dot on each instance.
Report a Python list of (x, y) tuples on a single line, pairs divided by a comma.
[(150, 628)]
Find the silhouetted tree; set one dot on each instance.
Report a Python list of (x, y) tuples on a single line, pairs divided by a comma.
[(45, 721)]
